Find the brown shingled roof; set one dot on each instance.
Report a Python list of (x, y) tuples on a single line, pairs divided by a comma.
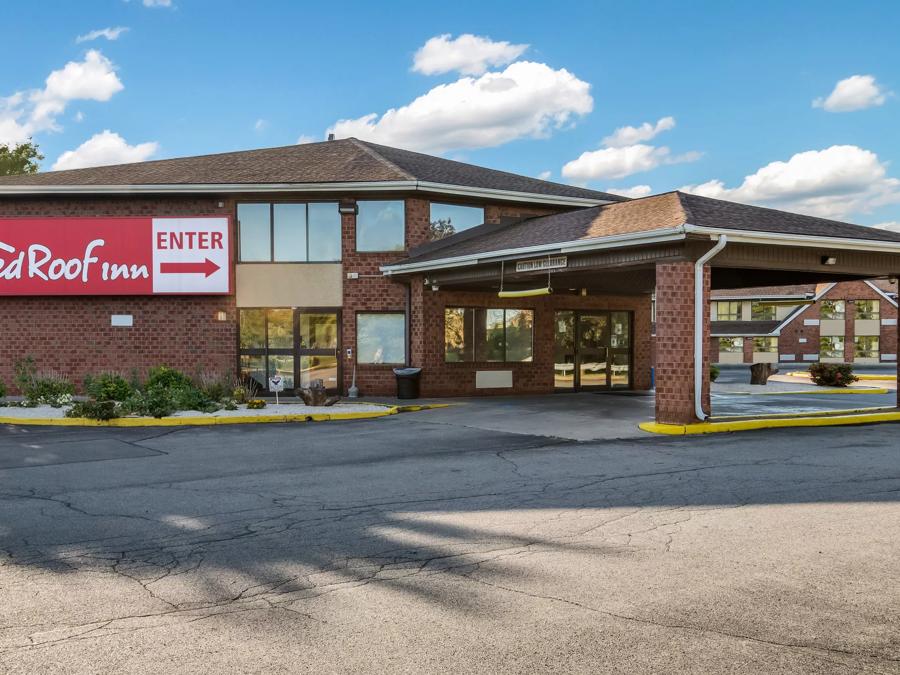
[(664, 211), (347, 160)]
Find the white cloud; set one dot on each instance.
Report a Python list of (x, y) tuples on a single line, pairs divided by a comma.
[(260, 125), (305, 138), (524, 100), (831, 183), (467, 54), (893, 226), (633, 192), (79, 116), (624, 154), (630, 135), (854, 93), (108, 33), (544, 175), (157, 3), (25, 113), (103, 149)]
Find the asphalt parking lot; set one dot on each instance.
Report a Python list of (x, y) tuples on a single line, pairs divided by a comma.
[(422, 544)]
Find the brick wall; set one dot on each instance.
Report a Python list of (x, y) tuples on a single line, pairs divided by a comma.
[(675, 342), (789, 341), (73, 334), (458, 379)]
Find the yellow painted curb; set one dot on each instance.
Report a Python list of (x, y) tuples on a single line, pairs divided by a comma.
[(196, 421), (809, 392), (863, 376), (769, 423)]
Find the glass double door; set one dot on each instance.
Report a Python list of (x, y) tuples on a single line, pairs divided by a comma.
[(317, 337), (592, 350)]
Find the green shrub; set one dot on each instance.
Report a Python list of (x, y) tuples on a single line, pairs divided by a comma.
[(2, 389), (215, 386), (95, 410), (49, 388), (158, 401), (256, 404), (167, 377), (713, 372), (25, 369), (108, 387), (832, 374)]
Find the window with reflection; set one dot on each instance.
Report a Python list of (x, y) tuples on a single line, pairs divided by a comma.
[(488, 334), (267, 345), (868, 310), (380, 226), (727, 310), (289, 232), (832, 309), (765, 345), (448, 219), (760, 311), (381, 338), (866, 346), (731, 345), (831, 347)]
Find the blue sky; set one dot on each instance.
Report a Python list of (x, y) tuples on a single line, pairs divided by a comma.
[(738, 81)]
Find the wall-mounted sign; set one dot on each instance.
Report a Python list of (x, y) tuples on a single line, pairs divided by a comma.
[(553, 262), (115, 256)]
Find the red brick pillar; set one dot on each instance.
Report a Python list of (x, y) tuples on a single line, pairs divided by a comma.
[(675, 342)]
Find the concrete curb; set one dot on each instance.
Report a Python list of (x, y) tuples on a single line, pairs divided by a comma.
[(770, 423)]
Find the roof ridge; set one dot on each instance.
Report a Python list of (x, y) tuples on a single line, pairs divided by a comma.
[(688, 215), (362, 145)]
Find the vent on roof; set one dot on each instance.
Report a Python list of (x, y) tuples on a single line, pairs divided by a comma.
[(330, 137)]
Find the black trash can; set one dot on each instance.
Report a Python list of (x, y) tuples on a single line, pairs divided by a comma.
[(407, 382)]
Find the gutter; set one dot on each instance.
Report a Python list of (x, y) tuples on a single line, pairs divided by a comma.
[(757, 237), (699, 307), (344, 186)]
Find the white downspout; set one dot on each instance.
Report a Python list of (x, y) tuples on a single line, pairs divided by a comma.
[(699, 308)]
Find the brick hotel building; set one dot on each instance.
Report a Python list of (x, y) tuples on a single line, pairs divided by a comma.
[(346, 256)]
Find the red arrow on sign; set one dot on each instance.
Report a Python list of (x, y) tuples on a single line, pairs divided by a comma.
[(207, 267)]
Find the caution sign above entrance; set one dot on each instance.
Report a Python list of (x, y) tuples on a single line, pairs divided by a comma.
[(115, 256)]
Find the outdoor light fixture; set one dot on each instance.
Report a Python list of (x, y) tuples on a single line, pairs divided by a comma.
[(829, 260), (221, 315)]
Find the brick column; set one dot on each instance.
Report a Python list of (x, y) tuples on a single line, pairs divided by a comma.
[(675, 342)]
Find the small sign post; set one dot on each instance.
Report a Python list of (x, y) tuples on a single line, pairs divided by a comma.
[(276, 385)]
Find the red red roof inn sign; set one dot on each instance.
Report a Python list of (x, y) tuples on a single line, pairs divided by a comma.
[(115, 256)]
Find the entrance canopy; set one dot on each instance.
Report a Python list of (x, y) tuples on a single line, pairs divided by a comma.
[(679, 245)]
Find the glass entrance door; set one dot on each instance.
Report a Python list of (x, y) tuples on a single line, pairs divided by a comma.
[(592, 350), (317, 348)]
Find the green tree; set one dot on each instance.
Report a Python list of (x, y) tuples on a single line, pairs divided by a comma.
[(19, 159)]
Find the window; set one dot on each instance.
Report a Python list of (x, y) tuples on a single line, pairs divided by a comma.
[(832, 309), (831, 347), (447, 219), (731, 345), (868, 310), (267, 345), (380, 226), (759, 311), (381, 338), (765, 345), (728, 311), (289, 232), (866, 346), (479, 334)]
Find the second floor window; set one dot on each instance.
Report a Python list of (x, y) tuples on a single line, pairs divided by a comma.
[(289, 232), (833, 309), (380, 226), (448, 219), (868, 310), (760, 311), (728, 311)]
